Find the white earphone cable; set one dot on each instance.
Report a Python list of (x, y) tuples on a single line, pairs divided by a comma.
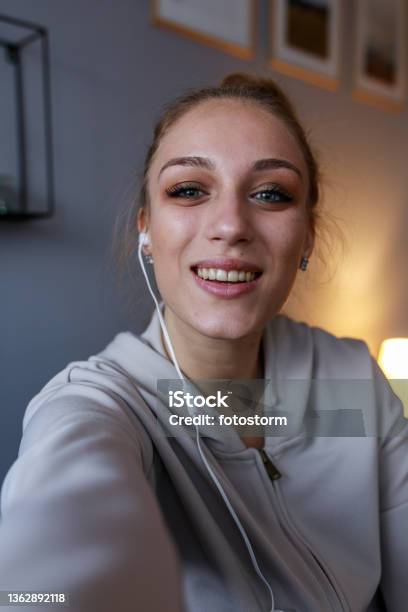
[(142, 239)]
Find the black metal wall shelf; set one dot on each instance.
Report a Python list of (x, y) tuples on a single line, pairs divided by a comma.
[(14, 47)]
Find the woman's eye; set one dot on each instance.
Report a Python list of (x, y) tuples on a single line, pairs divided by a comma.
[(269, 194), (184, 191), (273, 194)]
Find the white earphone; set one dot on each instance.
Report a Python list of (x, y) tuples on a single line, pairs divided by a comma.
[(144, 240)]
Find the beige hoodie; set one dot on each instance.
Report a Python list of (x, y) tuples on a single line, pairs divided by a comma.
[(112, 506)]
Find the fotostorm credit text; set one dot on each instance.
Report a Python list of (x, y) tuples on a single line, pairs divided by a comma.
[(206, 419)]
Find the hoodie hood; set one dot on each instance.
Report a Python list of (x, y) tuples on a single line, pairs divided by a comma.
[(283, 362)]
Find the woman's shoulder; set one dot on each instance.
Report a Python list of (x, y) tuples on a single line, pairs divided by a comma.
[(347, 361), (87, 378), (332, 355), (93, 390)]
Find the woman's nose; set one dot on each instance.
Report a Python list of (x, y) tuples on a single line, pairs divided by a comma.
[(229, 219)]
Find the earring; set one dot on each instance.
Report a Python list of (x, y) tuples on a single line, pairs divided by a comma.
[(148, 258), (303, 263)]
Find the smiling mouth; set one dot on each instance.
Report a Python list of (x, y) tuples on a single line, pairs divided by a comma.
[(226, 277)]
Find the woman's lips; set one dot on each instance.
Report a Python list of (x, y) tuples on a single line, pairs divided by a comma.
[(225, 290)]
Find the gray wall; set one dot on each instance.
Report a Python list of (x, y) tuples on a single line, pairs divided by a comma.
[(111, 71)]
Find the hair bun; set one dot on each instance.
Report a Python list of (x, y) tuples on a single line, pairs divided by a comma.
[(250, 82), (238, 79)]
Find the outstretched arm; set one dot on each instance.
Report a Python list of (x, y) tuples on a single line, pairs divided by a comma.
[(79, 516)]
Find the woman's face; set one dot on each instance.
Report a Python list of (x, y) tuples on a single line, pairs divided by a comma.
[(215, 203)]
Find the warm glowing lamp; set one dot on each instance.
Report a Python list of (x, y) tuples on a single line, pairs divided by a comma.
[(393, 359)]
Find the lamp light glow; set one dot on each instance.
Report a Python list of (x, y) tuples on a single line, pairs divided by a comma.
[(393, 358)]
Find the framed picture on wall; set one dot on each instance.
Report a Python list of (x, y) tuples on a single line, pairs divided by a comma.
[(380, 53), (305, 40), (228, 25)]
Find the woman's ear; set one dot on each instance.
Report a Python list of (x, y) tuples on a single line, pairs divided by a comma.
[(143, 226), (142, 221), (309, 241)]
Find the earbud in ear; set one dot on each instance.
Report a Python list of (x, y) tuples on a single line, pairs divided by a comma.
[(144, 239)]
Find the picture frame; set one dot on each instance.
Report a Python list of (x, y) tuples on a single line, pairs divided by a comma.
[(227, 25), (381, 54), (305, 37)]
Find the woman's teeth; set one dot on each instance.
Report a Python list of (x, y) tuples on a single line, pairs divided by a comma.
[(232, 276)]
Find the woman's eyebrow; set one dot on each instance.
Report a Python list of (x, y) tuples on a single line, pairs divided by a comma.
[(273, 163), (197, 162), (270, 163)]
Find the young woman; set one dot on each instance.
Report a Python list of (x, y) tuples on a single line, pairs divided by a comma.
[(120, 502)]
